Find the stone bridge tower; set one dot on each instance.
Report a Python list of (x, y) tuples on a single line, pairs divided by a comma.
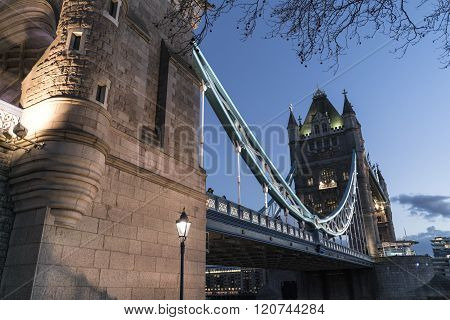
[(94, 210), (321, 147)]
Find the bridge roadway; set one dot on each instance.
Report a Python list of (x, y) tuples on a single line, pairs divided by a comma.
[(238, 236)]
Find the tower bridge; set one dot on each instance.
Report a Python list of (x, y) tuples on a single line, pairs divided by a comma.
[(325, 141), (94, 171)]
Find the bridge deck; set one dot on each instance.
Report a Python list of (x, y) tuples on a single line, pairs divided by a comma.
[(242, 237)]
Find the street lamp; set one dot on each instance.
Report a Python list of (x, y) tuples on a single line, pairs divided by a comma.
[(183, 225), (20, 133)]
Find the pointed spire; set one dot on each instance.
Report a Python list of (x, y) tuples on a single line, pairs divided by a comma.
[(348, 108), (379, 174), (292, 122), (319, 94)]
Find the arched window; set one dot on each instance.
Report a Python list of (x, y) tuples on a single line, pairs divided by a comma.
[(327, 179)]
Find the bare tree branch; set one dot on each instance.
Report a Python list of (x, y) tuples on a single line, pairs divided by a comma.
[(321, 29)]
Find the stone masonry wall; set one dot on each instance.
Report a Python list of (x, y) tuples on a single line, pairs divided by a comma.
[(125, 246)]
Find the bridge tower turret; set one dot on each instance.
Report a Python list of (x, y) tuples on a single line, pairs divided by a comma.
[(98, 83), (292, 127), (384, 212), (293, 134), (323, 152), (354, 139)]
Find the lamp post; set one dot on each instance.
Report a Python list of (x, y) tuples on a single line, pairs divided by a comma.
[(183, 225)]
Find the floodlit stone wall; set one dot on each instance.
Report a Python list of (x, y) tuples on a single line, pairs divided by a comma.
[(95, 209)]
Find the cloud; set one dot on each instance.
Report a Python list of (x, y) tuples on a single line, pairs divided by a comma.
[(427, 206), (424, 238)]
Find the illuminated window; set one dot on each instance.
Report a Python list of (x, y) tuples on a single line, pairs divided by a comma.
[(310, 181), (327, 179), (330, 204), (345, 175), (318, 208)]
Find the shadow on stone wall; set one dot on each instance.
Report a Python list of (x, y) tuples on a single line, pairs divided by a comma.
[(55, 282), (52, 279), (77, 285)]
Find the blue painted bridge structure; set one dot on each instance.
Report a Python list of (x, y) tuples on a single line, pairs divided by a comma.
[(238, 236)]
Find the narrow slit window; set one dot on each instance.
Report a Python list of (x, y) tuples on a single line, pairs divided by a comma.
[(75, 42), (101, 94), (345, 175), (113, 8)]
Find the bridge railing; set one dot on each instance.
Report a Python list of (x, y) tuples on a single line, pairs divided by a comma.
[(232, 209), (222, 205)]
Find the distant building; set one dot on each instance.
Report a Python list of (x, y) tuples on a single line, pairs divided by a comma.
[(441, 252), (398, 248), (233, 282)]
